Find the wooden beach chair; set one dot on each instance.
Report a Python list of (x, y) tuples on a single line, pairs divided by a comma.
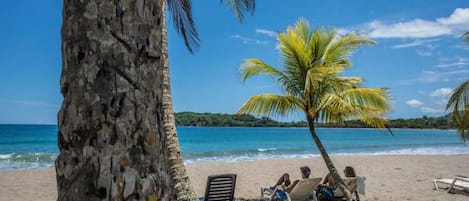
[(220, 188), (352, 185), (302, 191), (461, 183)]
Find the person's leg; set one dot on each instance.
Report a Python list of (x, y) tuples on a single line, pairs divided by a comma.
[(285, 177)]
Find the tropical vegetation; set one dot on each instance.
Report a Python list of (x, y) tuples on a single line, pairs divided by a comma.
[(312, 82), (246, 120)]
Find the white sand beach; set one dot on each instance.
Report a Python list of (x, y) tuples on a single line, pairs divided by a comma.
[(388, 177)]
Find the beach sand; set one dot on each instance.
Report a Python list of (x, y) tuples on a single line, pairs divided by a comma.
[(388, 177)]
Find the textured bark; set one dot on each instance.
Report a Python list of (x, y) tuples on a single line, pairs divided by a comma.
[(328, 161), (117, 137)]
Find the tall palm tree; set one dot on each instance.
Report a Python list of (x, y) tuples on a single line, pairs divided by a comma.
[(458, 105), (117, 137), (311, 80)]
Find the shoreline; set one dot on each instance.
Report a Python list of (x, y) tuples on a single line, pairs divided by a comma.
[(385, 176), (286, 157)]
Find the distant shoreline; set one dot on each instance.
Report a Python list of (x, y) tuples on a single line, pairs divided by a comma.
[(182, 126), (192, 119)]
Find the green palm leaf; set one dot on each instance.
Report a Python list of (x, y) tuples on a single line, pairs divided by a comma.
[(241, 7), (251, 67), (270, 105), (458, 104), (181, 13)]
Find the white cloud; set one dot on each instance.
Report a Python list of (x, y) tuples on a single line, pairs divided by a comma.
[(433, 76), (458, 64), (266, 32), (247, 40), (412, 29), (414, 43), (453, 62), (441, 92), (414, 103), (28, 103), (432, 110), (424, 53), (455, 24), (460, 16)]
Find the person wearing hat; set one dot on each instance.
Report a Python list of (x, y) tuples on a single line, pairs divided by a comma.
[(285, 182)]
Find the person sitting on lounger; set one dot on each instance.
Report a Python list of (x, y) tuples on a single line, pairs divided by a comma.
[(285, 182), (329, 181)]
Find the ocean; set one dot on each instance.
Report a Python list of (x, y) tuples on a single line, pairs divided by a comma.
[(35, 146)]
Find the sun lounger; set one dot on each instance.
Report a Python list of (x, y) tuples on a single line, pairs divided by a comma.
[(351, 184), (301, 192), (220, 188), (458, 182)]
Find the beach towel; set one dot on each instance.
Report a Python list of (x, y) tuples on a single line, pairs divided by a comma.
[(361, 185)]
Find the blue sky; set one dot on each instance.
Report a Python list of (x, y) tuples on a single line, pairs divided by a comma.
[(419, 55)]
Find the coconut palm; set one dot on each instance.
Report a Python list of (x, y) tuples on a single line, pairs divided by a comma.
[(458, 105), (311, 81), (117, 138)]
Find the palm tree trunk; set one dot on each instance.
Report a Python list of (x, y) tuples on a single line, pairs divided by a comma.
[(181, 184), (330, 165), (116, 137)]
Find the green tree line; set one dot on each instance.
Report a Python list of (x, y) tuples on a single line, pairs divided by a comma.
[(244, 120)]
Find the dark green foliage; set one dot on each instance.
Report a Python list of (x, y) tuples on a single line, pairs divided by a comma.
[(229, 120), (233, 120)]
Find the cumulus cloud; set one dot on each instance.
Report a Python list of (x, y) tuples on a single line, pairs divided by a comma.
[(266, 32), (414, 103), (460, 16), (441, 92), (247, 40), (455, 24)]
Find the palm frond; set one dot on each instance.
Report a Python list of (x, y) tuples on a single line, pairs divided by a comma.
[(319, 43), (340, 50), (181, 11), (369, 97), (270, 105), (458, 104), (348, 82), (333, 104), (295, 51), (459, 98), (251, 67), (241, 7), (465, 37), (365, 104)]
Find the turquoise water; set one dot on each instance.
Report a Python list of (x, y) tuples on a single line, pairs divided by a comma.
[(33, 146)]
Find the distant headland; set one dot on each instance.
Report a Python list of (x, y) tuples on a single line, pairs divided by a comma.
[(235, 120)]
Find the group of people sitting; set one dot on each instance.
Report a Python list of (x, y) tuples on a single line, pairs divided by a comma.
[(328, 181)]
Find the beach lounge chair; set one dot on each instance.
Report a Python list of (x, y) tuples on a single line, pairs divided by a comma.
[(220, 187), (301, 192), (351, 184), (462, 183)]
